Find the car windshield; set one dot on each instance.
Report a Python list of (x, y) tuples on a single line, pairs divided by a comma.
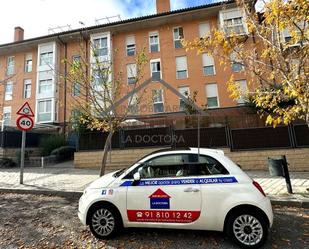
[(119, 173)]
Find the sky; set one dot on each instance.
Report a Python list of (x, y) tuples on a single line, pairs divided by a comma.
[(37, 16)]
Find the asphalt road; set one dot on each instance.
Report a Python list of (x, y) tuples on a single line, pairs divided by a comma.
[(31, 221)]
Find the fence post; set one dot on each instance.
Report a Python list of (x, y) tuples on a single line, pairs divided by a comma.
[(121, 139), (2, 139), (42, 162), (229, 138), (173, 142), (292, 136), (286, 174)]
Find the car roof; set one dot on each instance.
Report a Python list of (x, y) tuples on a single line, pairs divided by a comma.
[(168, 151)]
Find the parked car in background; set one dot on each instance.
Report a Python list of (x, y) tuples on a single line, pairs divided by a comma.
[(191, 188)]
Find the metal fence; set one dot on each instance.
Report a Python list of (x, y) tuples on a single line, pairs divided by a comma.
[(292, 136), (12, 139)]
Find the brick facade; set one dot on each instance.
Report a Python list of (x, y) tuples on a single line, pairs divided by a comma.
[(66, 45)]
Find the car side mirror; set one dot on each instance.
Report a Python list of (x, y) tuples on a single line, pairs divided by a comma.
[(137, 177)]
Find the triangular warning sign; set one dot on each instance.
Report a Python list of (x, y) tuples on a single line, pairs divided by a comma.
[(25, 110)]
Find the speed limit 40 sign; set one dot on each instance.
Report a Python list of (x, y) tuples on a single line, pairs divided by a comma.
[(24, 123)]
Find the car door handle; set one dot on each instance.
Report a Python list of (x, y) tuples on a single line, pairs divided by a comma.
[(187, 190)]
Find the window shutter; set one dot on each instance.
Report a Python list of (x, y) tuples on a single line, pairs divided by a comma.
[(133, 100), (235, 13), (208, 60), (242, 85), (7, 109), (204, 29), (184, 90), (211, 90), (130, 40), (46, 49), (45, 75), (286, 33), (28, 57), (131, 70), (181, 63)]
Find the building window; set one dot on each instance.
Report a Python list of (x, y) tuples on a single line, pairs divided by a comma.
[(133, 104), (76, 59), (46, 58), (8, 91), (178, 35), (181, 67), (232, 21), (287, 36), (212, 95), (131, 73), (155, 69), (242, 84), (10, 65), (208, 65), (76, 89), (45, 86), (27, 89), (185, 91), (204, 30), (236, 63), (157, 96), (28, 63), (100, 47), (7, 110), (154, 45), (130, 45), (44, 110)]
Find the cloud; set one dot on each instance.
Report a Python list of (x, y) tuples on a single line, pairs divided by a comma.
[(36, 16), (180, 4)]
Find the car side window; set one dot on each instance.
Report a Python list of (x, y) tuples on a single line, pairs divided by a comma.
[(161, 166), (178, 165), (213, 166)]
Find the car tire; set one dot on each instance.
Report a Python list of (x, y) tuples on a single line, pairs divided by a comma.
[(104, 221), (247, 228)]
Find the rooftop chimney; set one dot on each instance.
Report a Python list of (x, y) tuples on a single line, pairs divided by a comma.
[(163, 6), (18, 34)]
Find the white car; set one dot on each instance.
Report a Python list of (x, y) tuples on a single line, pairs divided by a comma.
[(182, 189)]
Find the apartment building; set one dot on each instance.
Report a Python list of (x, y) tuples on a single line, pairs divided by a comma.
[(30, 69)]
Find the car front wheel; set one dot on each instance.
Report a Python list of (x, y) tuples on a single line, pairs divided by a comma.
[(104, 222), (247, 228)]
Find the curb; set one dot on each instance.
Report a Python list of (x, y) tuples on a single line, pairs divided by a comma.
[(299, 203), (284, 202), (66, 194)]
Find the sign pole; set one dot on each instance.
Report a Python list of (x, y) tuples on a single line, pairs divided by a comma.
[(24, 123), (22, 157)]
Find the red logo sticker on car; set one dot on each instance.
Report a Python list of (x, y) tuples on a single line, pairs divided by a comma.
[(170, 216)]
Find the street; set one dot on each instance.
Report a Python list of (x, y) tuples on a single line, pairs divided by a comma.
[(33, 221)]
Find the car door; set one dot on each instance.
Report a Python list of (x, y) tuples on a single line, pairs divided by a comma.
[(164, 195), (217, 186)]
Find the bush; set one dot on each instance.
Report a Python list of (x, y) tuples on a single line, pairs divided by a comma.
[(49, 143), (64, 153), (18, 156), (7, 163)]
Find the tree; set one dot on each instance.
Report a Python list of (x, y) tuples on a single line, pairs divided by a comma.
[(97, 89), (273, 54)]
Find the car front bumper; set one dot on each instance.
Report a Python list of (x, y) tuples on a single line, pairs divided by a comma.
[(82, 215)]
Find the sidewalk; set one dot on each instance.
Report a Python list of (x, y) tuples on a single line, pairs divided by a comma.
[(66, 178)]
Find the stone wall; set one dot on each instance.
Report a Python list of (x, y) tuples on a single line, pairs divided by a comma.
[(11, 152), (298, 159)]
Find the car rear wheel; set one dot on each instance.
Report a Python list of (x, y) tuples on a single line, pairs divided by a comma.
[(104, 222), (247, 228)]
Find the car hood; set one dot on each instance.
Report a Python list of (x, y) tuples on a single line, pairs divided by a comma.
[(103, 181)]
